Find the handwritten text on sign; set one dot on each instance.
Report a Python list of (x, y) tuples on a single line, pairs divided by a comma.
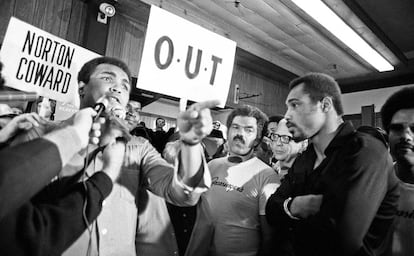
[(184, 60), (35, 60)]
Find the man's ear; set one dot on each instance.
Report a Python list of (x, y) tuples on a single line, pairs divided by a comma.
[(327, 104), (81, 89)]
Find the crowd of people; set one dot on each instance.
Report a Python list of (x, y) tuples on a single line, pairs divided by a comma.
[(302, 183)]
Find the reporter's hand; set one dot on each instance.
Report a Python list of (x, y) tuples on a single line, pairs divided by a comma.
[(113, 128), (21, 122), (305, 206), (113, 157), (196, 122), (84, 126)]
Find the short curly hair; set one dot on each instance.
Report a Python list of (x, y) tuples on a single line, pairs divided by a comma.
[(318, 86), (402, 99), (89, 67), (250, 111)]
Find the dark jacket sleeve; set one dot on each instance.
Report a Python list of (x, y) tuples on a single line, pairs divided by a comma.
[(50, 228), (24, 170), (370, 200), (275, 214)]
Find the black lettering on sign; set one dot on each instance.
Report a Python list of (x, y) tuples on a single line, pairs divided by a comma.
[(42, 75), (215, 60), (192, 67), (39, 46), (48, 50), (30, 70), (158, 50), (189, 74), (19, 76)]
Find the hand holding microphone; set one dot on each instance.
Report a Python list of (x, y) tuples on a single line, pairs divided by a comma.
[(110, 117)]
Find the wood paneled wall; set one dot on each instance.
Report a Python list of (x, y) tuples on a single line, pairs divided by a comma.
[(271, 94), (63, 18), (126, 41)]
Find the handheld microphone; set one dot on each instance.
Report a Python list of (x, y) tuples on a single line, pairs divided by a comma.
[(6, 96), (100, 106)]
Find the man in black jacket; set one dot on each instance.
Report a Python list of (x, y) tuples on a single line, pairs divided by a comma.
[(340, 195)]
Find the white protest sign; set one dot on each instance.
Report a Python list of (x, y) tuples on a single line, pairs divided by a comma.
[(37, 61), (184, 60)]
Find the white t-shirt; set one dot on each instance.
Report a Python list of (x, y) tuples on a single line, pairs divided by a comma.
[(403, 243), (237, 197)]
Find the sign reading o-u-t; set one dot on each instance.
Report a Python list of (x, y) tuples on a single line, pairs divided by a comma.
[(184, 60)]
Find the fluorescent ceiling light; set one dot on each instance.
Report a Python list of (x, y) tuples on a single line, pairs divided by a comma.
[(327, 18)]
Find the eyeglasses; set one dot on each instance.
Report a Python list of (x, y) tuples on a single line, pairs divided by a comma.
[(285, 139), (400, 127)]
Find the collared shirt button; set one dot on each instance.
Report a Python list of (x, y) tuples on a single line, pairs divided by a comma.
[(184, 215), (104, 231), (175, 253), (185, 230)]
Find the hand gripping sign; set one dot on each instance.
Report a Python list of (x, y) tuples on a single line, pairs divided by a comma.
[(184, 60), (37, 61)]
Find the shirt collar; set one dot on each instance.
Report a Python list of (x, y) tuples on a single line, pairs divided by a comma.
[(341, 137)]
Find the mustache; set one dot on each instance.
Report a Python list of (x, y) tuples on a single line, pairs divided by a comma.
[(239, 137), (404, 145)]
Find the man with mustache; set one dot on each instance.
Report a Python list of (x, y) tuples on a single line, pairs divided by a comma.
[(241, 186), (398, 120), (340, 195)]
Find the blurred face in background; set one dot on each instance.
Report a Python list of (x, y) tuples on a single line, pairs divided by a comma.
[(282, 145), (160, 123), (132, 114), (44, 108), (401, 136)]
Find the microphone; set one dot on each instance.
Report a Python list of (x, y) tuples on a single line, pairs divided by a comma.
[(113, 115), (6, 96), (100, 106)]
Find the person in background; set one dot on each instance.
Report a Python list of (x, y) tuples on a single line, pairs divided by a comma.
[(241, 185), (284, 149), (46, 108), (160, 137), (136, 127), (273, 123), (264, 150), (398, 120), (340, 195)]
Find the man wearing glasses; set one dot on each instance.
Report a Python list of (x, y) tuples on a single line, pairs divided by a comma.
[(398, 120), (340, 195), (284, 148)]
